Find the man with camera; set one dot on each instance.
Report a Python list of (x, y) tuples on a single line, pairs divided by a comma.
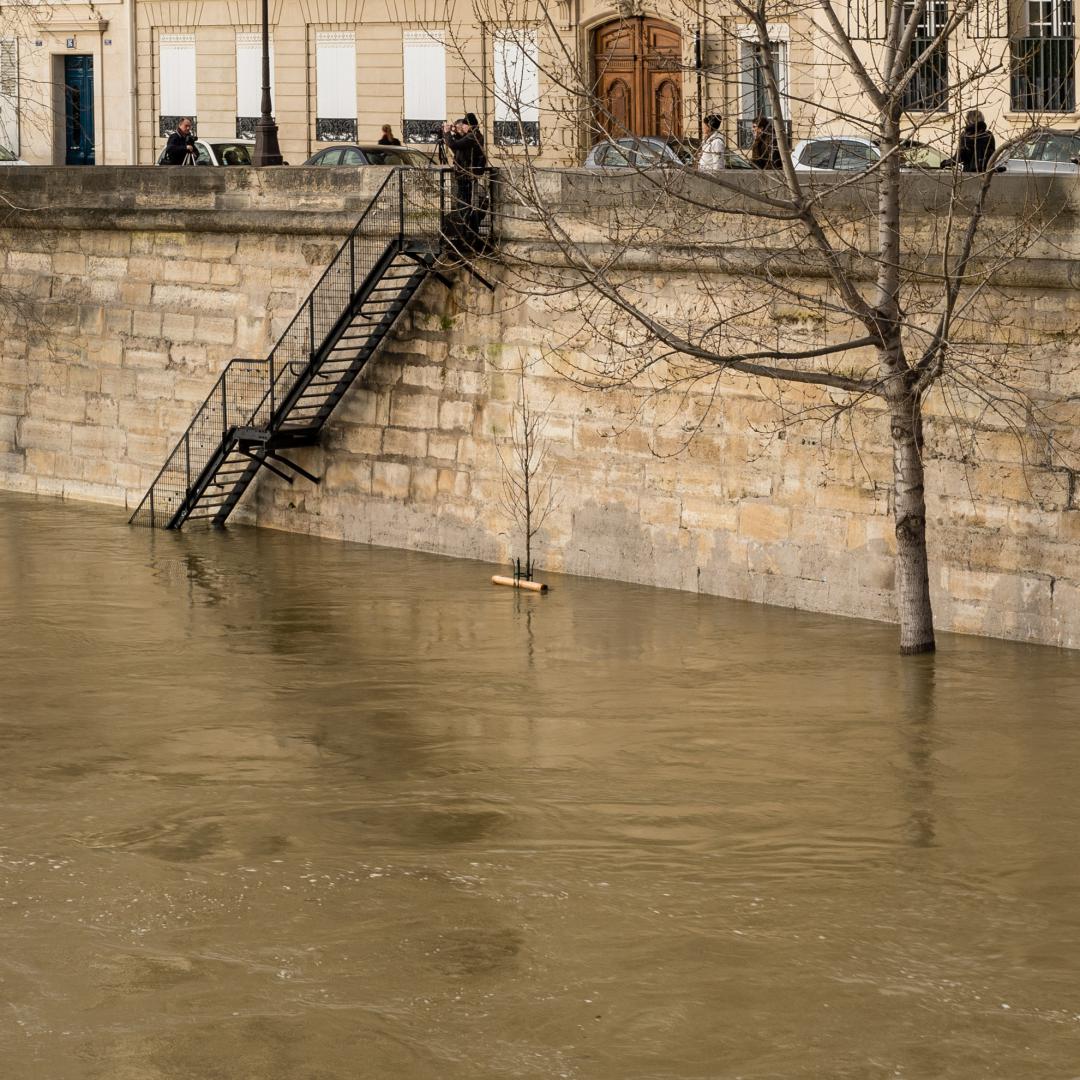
[(180, 149), (464, 138)]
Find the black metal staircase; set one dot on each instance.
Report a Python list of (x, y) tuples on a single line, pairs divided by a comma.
[(259, 408)]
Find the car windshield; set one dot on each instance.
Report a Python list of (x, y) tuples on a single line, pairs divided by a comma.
[(1028, 149), (921, 157), (854, 155), (1060, 148), (230, 153), (392, 155), (818, 155)]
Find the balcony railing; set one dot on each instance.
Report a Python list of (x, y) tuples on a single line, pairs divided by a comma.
[(928, 90), (1043, 75)]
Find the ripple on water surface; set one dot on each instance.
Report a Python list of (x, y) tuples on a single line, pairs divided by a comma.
[(278, 807)]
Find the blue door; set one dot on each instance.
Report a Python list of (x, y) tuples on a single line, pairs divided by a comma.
[(79, 109)]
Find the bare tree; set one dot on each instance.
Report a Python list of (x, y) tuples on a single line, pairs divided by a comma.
[(528, 494), (895, 279)]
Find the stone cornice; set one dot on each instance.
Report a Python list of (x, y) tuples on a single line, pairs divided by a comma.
[(72, 26)]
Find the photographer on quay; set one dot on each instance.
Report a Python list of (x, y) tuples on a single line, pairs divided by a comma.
[(180, 149), (465, 140)]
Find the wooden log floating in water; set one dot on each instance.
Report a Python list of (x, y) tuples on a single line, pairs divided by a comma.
[(519, 583)]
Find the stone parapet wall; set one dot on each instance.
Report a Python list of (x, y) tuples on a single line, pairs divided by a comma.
[(136, 289)]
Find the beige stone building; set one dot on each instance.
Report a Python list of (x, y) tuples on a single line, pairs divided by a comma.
[(67, 83), (72, 90)]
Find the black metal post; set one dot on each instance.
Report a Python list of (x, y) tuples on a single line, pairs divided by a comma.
[(267, 151)]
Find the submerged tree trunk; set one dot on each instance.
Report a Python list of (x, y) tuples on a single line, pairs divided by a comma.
[(909, 514)]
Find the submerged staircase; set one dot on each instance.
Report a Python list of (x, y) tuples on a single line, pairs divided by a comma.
[(260, 408)]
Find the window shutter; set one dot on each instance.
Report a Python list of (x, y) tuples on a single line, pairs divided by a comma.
[(249, 83), (176, 75), (424, 59), (9, 95), (517, 88), (335, 74)]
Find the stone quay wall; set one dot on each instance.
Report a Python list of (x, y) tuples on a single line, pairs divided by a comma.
[(127, 290)]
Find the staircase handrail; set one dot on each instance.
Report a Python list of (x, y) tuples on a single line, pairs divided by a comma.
[(297, 368)]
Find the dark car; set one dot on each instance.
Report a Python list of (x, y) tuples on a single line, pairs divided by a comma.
[(353, 154)]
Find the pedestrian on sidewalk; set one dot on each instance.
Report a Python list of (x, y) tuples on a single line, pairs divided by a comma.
[(713, 150), (977, 144), (387, 138), (764, 153)]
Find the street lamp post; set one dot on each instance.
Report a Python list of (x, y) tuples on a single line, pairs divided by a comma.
[(267, 151)]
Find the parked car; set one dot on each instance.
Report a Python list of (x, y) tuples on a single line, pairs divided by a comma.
[(220, 152), (918, 155), (648, 152), (364, 154), (8, 158), (834, 153), (850, 153), (1046, 151)]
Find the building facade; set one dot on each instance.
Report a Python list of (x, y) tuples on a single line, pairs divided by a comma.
[(104, 83)]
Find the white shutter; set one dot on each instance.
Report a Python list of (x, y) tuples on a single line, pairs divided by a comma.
[(249, 74), (335, 72), (517, 76), (9, 95), (176, 72), (424, 59)]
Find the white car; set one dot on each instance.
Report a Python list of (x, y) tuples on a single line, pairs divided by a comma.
[(1046, 152), (835, 153), (852, 153), (220, 152)]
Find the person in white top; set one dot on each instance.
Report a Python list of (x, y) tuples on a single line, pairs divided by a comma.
[(713, 149)]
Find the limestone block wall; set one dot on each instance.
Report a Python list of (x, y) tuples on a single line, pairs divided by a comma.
[(126, 292)]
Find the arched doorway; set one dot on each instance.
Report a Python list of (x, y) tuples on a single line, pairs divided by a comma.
[(637, 68)]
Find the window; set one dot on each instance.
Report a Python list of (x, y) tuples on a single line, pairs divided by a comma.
[(351, 156), (928, 89), (424, 59), (1043, 76), (818, 154), (754, 99), (610, 156), (335, 73), (1049, 18), (517, 89), (176, 81), (249, 83), (854, 155)]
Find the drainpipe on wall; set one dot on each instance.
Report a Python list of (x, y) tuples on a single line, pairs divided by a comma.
[(133, 89)]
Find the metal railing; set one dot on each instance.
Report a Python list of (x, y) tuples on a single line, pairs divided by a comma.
[(416, 206), (1043, 74)]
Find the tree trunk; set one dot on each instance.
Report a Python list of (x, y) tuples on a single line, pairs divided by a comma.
[(909, 513)]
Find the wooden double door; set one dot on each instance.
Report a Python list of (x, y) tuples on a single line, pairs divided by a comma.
[(637, 67)]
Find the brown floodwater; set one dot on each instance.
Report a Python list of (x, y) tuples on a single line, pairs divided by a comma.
[(280, 808)]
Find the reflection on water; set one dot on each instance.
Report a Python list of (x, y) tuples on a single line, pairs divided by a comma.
[(277, 807)]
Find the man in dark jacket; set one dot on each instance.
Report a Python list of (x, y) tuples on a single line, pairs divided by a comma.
[(181, 141), (470, 161), (977, 144)]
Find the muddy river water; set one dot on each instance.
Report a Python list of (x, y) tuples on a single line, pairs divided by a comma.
[(279, 808)]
